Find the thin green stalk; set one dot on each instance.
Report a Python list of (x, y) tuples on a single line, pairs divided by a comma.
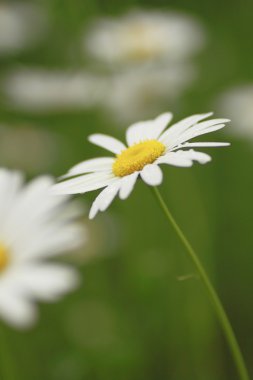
[(6, 362), (222, 316)]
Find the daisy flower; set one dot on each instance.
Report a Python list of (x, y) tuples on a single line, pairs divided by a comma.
[(34, 226), (141, 36), (149, 144)]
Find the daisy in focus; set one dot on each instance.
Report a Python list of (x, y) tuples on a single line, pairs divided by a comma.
[(149, 144), (141, 36), (34, 226)]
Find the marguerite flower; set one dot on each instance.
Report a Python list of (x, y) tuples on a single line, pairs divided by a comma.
[(141, 36), (149, 144), (34, 226)]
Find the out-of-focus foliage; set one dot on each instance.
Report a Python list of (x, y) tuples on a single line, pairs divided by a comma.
[(140, 313)]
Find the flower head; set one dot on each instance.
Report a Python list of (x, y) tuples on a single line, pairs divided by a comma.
[(149, 144), (142, 36), (34, 226)]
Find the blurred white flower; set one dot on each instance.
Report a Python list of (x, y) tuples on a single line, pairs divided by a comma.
[(34, 226), (143, 92), (149, 145), (45, 90), (237, 103), (142, 36), (21, 24)]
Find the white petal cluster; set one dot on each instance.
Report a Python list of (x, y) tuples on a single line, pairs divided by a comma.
[(149, 55), (21, 24), (34, 226), (238, 105), (44, 90), (98, 173), (143, 36)]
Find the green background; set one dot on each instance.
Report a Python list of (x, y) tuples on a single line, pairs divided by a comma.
[(141, 313)]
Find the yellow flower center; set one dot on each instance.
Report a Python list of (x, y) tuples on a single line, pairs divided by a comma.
[(4, 257), (136, 157), (139, 41)]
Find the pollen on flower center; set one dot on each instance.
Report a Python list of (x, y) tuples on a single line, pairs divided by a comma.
[(136, 157), (4, 257)]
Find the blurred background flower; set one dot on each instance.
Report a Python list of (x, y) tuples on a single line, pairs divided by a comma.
[(141, 36), (49, 90), (148, 55), (21, 25), (237, 103), (35, 226)]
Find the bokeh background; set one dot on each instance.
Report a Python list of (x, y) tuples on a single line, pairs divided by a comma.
[(141, 313)]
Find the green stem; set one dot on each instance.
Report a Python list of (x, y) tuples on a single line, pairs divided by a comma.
[(222, 316), (6, 363)]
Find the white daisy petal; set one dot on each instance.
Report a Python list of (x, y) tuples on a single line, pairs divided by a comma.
[(160, 123), (46, 282), (194, 132), (83, 184), (52, 240), (210, 123), (177, 129), (147, 130), (94, 165), (204, 144), (184, 158), (104, 199), (152, 175), (127, 185), (138, 132), (107, 142), (94, 209), (17, 310), (175, 159), (200, 157)]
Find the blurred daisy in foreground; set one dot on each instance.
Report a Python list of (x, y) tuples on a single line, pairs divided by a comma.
[(238, 105), (149, 144), (143, 92), (21, 24), (34, 226), (141, 36), (44, 90)]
